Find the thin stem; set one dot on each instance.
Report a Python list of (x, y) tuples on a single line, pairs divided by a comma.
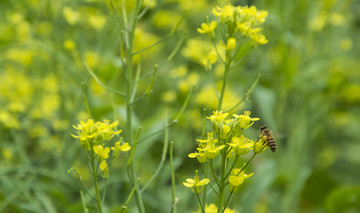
[(98, 199), (227, 68), (232, 166), (79, 177), (211, 74), (173, 203), (85, 99), (222, 181), (83, 202), (204, 124), (227, 201), (207, 176), (129, 197), (163, 157), (129, 100), (247, 163), (247, 94), (201, 205), (213, 172)]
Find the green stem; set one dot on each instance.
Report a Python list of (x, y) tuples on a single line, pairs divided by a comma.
[(129, 97), (173, 203), (129, 197), (201, 205), (163, 157), (98, 199), (83, 202), (232, 166), (226, 73), (247, 163), (227, 201), (222, 182)]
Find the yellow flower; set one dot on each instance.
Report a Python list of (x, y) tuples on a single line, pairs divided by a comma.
[(225, 130), (212, 57), (69, 45), (217, 117), (120, 148), (86, 132), (237, 178), (241, 145), (102, 152), (196, 184), (231, 44), (207, 149), (244, 120), (97, 21), (259, 146), (71, 16), (104, 169), (226, 13), (207, 28), (106, 130), (259, 38), (201, 156), (91, 58), (210, 147)]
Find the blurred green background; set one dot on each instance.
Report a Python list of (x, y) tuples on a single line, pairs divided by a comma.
[(308, 94)]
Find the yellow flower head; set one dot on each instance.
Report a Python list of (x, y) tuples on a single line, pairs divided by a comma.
[(106, 130), (200, 156), (102, 152), (231, 44), (69, 45), (104, 169), (245, 121), (212, 57), (196, 184), (86, 132), (97, 21), (120, 148), (217, 117), (259, 146), (225, 130), (241, 145), (237, 178), (226, 13), (71, 16), (207, 28)]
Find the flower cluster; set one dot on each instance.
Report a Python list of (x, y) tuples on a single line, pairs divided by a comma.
[(238, 21), (246, 20), (94, 138), (208, 149), (229, 137)]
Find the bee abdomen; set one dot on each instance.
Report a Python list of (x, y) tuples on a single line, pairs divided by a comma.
[(272, 144)]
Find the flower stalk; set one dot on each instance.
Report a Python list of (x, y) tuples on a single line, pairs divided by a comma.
[(129, 99)]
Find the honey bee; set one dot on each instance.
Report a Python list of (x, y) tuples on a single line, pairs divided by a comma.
[(267, 136)]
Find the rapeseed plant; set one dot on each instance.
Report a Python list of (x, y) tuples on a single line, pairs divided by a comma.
[(227, 141), (95, 140)]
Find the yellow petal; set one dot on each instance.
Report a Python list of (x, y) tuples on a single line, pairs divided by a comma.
[(188, 184), (192, 155)]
